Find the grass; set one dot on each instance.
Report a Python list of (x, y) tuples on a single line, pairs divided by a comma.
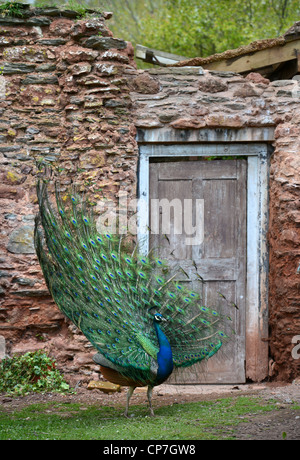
[(190, 421)]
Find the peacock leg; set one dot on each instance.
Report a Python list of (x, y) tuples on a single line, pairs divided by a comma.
[(129, 394), (149, 395)]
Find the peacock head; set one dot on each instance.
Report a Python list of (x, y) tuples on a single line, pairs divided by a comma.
[(158, 318)]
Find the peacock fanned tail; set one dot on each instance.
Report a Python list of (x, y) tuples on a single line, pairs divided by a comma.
[(110, 294)]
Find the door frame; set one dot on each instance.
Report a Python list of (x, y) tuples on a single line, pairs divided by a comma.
[(257, 153)]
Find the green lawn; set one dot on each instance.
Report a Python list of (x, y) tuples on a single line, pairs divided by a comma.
[(189, 421)]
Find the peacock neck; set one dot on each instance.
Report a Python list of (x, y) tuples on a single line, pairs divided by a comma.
[(164, 356)]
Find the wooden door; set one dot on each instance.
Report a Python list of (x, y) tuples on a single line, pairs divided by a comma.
[(219, 254)]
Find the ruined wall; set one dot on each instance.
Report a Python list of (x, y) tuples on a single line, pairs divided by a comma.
[(195, 105), (64, 98), (71, 93)]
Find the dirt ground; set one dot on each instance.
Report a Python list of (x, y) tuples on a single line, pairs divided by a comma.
[(266, 426)]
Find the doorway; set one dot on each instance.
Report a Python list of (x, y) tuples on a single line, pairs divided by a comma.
[(231, 257)]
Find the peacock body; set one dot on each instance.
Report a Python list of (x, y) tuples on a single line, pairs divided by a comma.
[(142, 322)]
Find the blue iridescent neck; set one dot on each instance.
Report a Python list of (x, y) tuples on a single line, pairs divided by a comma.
[(164, 356)]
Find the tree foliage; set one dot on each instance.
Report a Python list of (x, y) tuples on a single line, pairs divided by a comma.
[(195, 27), (200, 27)]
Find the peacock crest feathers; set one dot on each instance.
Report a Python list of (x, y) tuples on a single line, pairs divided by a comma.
[(111, 294)]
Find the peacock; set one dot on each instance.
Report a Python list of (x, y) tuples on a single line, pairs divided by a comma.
[(143, 323)]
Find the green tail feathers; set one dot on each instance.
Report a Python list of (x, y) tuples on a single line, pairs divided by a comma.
[(110, 294)]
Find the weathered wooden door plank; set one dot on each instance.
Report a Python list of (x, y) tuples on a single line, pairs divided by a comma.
[(220, 258)]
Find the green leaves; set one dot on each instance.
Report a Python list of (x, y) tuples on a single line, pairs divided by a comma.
[(199, 27), (11, 8), (31, 372), (190, 28)]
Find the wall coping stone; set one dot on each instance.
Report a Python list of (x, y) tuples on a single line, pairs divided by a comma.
[(31, 12)]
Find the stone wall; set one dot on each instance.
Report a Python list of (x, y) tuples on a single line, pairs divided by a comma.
[(195, 105), (71, 93), (65, 99)]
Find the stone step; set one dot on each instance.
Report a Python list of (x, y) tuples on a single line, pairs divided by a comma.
[(106, 387)]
